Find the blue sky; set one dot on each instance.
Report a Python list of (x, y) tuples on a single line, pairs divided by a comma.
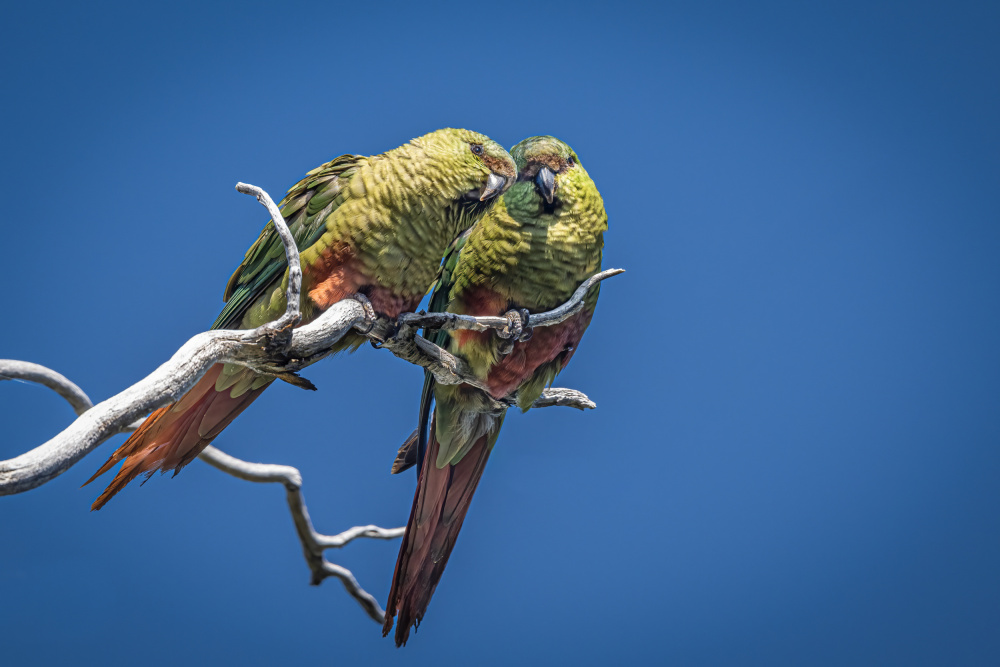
[(795, 455)]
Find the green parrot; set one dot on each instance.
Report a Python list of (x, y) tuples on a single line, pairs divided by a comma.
[(376, 226), (531, 251)]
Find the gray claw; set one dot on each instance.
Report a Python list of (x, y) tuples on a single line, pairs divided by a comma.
[(515, 326), (370, 315), (525, 327)]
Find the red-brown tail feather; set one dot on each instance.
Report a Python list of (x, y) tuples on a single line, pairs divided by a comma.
[(174, 435), (439, 506)]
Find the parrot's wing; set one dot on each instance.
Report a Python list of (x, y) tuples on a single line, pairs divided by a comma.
[(440, 296), (305, 208)]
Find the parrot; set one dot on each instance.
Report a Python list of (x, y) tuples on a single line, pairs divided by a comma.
[(376, 226), (531, 251)]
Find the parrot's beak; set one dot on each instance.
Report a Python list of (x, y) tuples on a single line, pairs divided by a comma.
[(494, 185), (546, 180)]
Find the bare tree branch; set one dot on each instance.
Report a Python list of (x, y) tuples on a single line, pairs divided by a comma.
[(399, 337), (279, 349), (256, 348), (454, 321), (274, 348), (294, 277), (557, 396), (164, 385), (313, 543), (11, 369)]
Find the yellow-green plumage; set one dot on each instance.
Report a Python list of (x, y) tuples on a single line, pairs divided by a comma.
[(397, 212), (530, 252), (370, 225)]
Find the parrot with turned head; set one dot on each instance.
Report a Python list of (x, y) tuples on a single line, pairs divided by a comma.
[(531, 251), (376, 226)]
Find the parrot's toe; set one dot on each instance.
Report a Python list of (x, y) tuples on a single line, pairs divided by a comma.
[(515, 325)]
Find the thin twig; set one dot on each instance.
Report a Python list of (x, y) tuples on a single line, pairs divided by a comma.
[(285, 351), (313, 543), (453, 321), (12, 369), (166, 384), (296, 349), (172, 379), (294, 288), (558, 396), (449, 369)]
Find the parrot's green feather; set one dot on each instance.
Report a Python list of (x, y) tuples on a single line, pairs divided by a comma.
[(375, 226), (265, 260), (438, 304), (530, 252), (389, 214)]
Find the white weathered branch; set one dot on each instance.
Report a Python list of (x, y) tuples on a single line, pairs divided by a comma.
[(279, 349), (454, 321), (294, 288), (11, 369), (274, 348), (558, 396), (261, 347), (164, 385), (313, 543), (399, 337)]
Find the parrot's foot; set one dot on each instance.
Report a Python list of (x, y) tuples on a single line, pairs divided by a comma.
[(370, 315), (517, 328), (378, 328)]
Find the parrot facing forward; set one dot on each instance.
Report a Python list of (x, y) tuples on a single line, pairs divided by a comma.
[(376, 226), (531, 251)]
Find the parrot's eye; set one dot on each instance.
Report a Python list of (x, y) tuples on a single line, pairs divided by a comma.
[(477, 149)]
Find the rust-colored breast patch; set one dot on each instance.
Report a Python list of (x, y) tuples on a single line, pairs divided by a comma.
[(338, 274), (478, 302), (387, 302), (333, 276), (545, 344)]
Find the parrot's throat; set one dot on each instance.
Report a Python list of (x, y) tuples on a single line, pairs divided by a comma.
[(463, 214), (469, 209)]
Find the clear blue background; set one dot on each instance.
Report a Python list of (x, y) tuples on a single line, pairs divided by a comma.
[(795, 457)]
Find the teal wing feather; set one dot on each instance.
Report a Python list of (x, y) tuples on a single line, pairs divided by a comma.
[(440, 296), (305, 209)]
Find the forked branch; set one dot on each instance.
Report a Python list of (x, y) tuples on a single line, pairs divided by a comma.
[(313, 543), (281, 349)]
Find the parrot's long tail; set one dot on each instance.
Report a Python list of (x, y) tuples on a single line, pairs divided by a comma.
[(174, 435), (439, 506)]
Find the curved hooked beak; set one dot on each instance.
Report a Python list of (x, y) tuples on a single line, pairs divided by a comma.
[(494, 186), (546, 180)]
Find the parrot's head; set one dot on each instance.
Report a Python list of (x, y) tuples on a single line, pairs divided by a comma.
[(548, 164), (475, 168), (553, 188)]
